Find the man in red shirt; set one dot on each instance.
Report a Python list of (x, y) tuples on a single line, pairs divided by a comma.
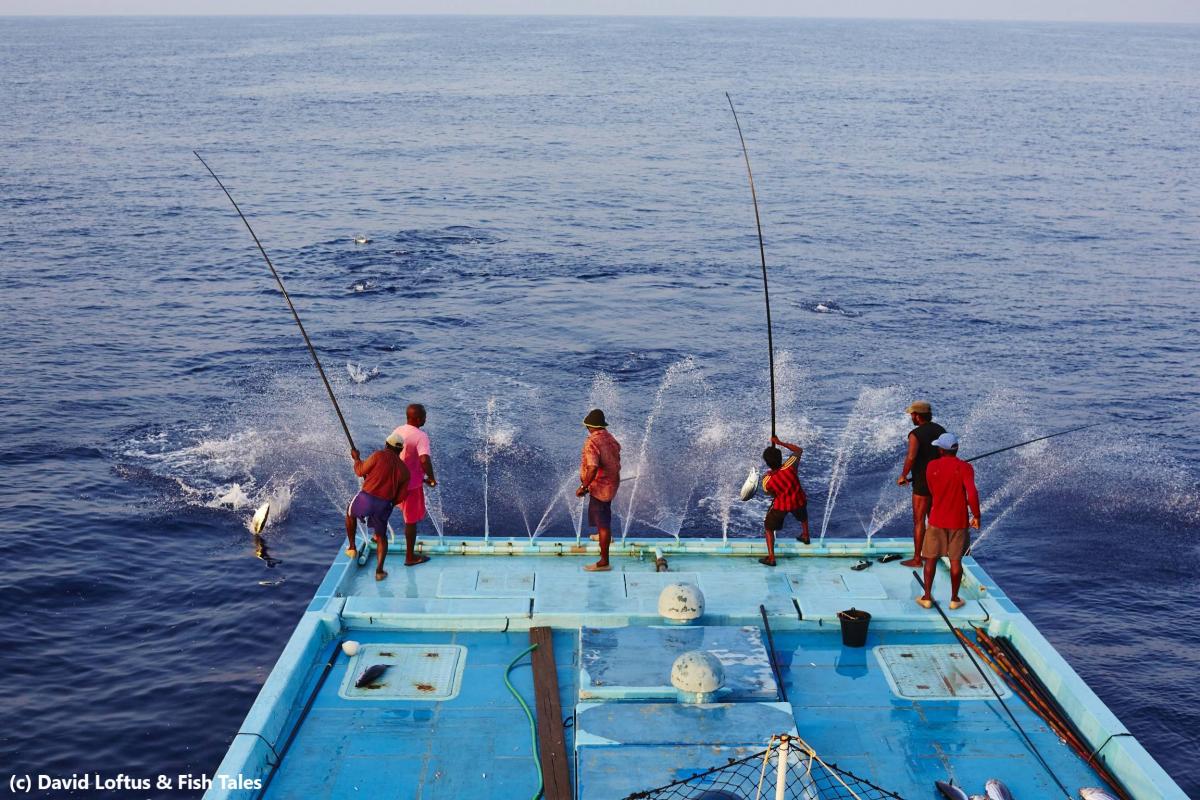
[(599, 476), (385, 483), (782, 482), (952, 485)]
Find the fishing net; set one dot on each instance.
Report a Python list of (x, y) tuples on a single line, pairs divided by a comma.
[(805, 777)]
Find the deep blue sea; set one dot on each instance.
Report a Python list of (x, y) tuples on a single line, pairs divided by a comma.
[(1000, 218)]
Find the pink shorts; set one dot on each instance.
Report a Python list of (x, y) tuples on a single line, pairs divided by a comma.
[(414, 504)]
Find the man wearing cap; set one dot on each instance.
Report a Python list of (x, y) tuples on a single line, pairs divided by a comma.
[(952, 482), (385, 483), (420, 470), (920, 452), (600, 477)]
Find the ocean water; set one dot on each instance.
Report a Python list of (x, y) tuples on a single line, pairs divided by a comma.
[(998, 217)]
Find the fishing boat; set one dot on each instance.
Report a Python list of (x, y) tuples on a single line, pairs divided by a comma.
[(689, 671)]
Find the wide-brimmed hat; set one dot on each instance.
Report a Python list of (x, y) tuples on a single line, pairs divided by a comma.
[(595, 419), (919, 407)]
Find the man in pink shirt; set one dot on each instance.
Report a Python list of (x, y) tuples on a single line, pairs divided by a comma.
[(952, 484), (599, 476), (420, 469)]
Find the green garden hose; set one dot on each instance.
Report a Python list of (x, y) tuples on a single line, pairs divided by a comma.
[(532, 723)]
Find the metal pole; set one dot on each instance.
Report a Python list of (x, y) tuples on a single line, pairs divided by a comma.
[(781, 765)]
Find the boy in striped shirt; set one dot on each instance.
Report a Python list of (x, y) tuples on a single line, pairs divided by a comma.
[(782, 482)]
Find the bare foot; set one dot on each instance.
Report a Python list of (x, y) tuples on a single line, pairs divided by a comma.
[(803, 539), (415, 561), (595, 537), (956, 603), (350, 551), (767, 561), (925, 602), (912, 562), (599, 566), (380, 574)]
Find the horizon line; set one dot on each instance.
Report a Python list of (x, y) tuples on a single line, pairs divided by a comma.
[(634, 15)]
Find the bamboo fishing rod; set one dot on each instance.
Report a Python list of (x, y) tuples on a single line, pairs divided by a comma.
[(762, 254), (311, 350), (1031, 441)]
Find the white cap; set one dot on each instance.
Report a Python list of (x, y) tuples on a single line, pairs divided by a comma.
[(947, 441), (395, 439)]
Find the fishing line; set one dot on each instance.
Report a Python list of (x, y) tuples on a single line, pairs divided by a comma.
[(1031, 441), (311, 350), (999, 699), (762, 254)]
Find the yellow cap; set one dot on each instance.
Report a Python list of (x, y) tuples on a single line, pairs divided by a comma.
[(919, 407)]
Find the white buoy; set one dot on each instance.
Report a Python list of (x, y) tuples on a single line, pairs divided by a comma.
[(680, 603), (697, 675), (350, 647), (259, 521), (750, 487)]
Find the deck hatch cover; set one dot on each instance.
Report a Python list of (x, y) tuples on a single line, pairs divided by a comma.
[(415, 672), (935, 672)]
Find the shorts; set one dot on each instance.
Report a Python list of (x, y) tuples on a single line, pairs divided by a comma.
[(920, 486), (600, 513), (775, 517), (375, 511), (413, 504), (953, 542)]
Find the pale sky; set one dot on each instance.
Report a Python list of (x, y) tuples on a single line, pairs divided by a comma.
[(1185, 11)]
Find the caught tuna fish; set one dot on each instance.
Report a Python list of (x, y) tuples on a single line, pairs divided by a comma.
[(1095, 794), (260, 518), (997, 791), (750, 487), (950, 791), (371, 675)]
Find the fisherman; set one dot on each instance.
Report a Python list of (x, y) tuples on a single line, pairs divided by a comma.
[(420, 470), (920, 452), (385, 484), (782, 482), (600, 477), (952, 482)]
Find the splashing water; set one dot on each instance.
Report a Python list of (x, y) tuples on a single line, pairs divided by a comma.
[(869, 427), (663, 516), (360, 374)]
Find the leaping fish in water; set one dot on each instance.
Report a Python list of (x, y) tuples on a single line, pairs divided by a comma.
[(950, 791), (372, 673), (259, 520), (360, 239), (996, 790), (1092, 793)]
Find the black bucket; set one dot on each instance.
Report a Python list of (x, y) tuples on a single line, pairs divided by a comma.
[(854, 627)]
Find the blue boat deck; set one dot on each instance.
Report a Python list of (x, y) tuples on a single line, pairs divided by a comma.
[(901, 712)]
